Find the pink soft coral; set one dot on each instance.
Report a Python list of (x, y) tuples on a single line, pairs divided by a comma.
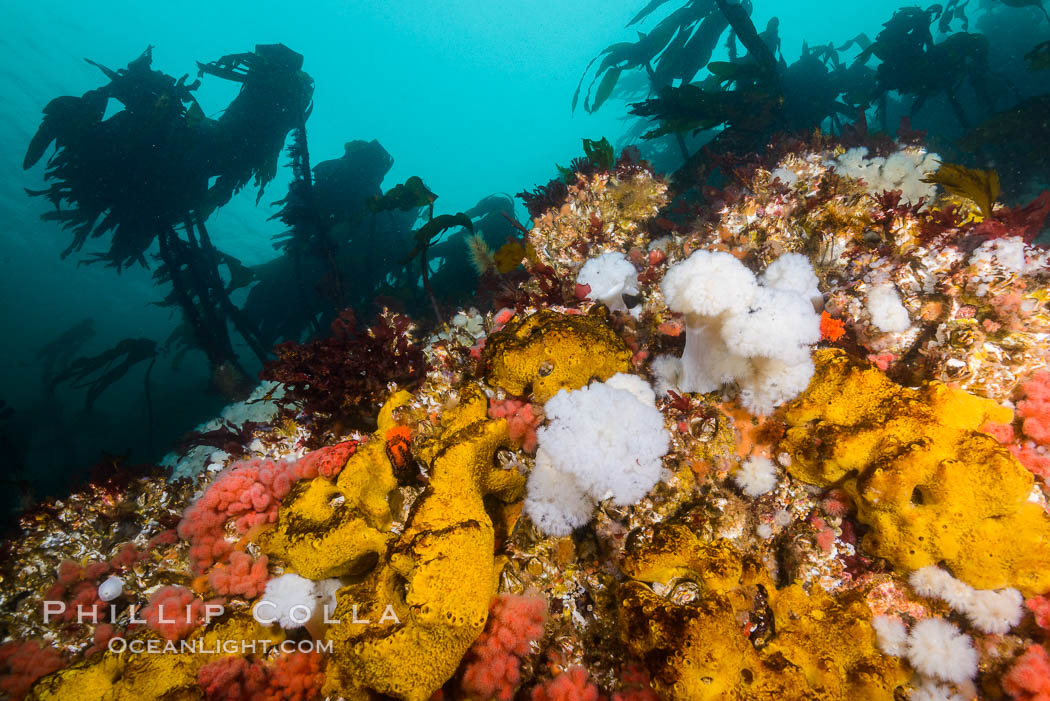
[(127, 556), (882, 360), (1032, 446), (571, 685), (77, 587), (84, 605), (499, 320), (1040, 608), (173, 611), (1029, 678), (327, 462), (104, 632), (825, 539), (493, 669), (636, 685), (1035, 408), (1004, 433), (249, 493), (502, 317), (232, 679), (1034, 458), (22, 662), (168, 537), (522, 420), (69, 572), (241, 577), (296, 676)]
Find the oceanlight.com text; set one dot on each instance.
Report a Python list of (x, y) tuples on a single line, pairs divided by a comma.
[(215, 647)]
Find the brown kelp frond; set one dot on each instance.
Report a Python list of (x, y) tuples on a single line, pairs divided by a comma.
[(979, 186)]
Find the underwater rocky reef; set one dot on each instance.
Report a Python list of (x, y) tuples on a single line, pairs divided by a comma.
[(774, 426), (789, 446)]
